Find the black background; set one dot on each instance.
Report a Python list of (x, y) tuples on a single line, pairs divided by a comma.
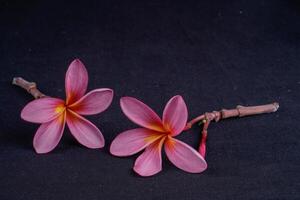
[(214, 53)]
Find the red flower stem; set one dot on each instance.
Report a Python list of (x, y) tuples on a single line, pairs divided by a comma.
[(239, 111), (29, 86), (202, 145)]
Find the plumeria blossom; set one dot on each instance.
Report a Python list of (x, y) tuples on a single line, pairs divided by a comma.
[(154, 134), (54, 113)]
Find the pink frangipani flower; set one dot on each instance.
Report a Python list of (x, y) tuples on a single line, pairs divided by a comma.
[(54, 113), (154, 134)]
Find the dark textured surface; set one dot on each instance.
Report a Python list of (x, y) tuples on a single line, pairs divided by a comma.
[(214, 53)]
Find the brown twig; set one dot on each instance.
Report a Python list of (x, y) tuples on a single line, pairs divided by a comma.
[(29, 86), (239, 111)]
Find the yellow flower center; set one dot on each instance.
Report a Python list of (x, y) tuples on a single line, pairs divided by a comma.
[(60, 109), (152, 138)]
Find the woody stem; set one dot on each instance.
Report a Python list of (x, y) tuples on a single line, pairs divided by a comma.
[(30, 87), (239, 111)]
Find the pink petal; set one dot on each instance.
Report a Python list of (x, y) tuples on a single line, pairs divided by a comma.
[(49, 134), (149, 162), (141, 114), (184, 157), (133, 141), (84, 131), (76, 81), (175, 115), (42, 110), (93, 102)]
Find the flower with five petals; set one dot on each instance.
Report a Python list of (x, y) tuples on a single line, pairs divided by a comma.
[(54, 113), (155, 134)]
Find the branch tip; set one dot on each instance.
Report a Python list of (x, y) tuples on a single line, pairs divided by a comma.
[(30, 87)]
